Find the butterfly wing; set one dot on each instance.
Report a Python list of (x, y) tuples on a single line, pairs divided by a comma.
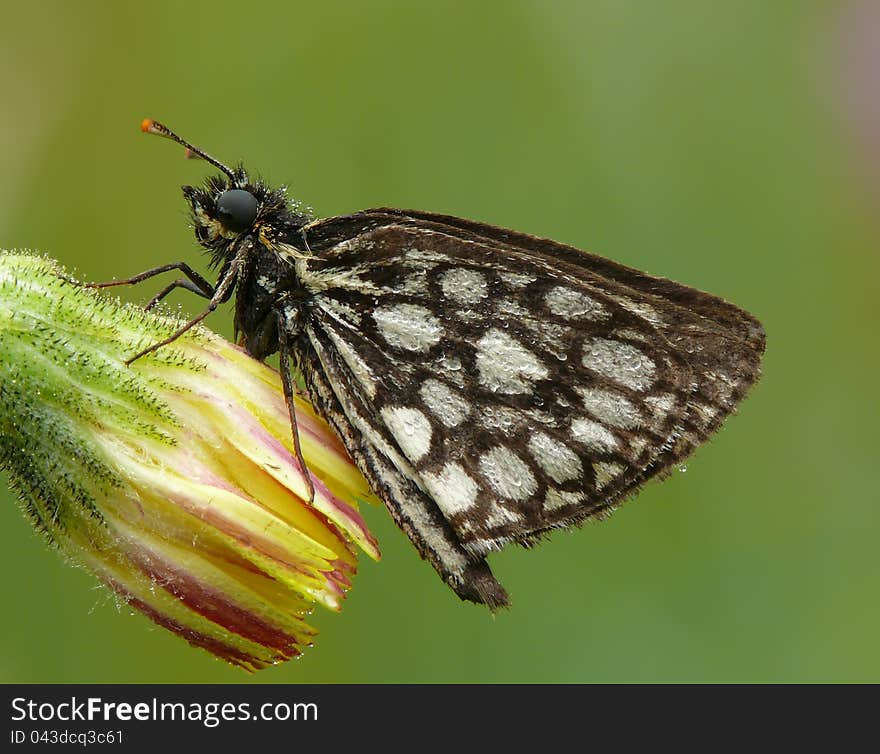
[(721, 343), (493, 386)]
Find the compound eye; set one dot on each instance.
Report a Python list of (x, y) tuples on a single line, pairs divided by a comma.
[(237, 209)]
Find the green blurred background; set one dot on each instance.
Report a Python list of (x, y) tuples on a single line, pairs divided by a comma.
[(714, 143)]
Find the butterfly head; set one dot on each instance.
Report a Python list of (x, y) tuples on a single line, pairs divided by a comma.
[(229, 206)]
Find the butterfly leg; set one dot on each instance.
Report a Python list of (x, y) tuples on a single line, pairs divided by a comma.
[(179, 283), (290, 389), (195, 282), (221, 293), (199, 284)]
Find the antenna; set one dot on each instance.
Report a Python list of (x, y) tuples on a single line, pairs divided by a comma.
[(150, 126)]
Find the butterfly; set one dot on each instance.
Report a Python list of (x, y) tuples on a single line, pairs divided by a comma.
[(492, 386)]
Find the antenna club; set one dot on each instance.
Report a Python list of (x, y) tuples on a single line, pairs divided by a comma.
[(149, 126)]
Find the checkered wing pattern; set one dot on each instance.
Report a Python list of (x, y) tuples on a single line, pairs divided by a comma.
[(493, 386)]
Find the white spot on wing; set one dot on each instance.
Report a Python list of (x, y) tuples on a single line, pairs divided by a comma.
[(508, 474), (555, 499), (661, 404), (410, 428), (447, 405), (422, 256), (640, 309), (609, 407), (464, 286), (630, 334), (621, 362), (606, 472), (505, 365), (557, 460), (515, 280), (638, 445), (408, 326), (499, 516), (452, 489), (593, 435), (569, 303)]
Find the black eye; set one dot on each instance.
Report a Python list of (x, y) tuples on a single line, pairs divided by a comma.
[(237, 209)]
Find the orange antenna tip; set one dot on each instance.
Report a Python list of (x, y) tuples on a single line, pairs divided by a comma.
[(150, 126)]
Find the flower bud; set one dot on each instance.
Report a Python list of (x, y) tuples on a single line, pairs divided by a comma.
[(172, 479)]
